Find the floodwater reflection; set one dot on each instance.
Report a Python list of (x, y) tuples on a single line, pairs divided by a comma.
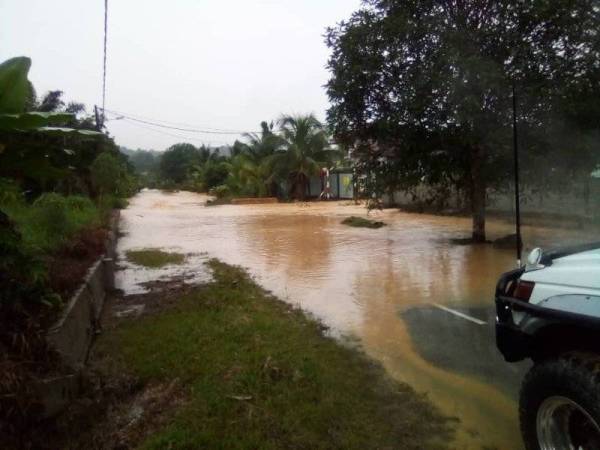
[(379, 286)]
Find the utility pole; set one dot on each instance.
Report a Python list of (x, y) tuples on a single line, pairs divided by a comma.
[(516, 169), (99, 121)]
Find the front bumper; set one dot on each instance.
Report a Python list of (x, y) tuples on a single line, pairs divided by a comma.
[(512, 342)]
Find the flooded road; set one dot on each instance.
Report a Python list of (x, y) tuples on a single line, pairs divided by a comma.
[(410, 298)]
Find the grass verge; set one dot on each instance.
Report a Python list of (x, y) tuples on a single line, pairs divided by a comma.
[(52, 220), (154, 258), (360, 222), (258, 373)]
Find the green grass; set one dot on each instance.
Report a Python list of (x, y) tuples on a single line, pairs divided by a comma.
[(360, 222), (46, 227), (261, 375), (154, 258)]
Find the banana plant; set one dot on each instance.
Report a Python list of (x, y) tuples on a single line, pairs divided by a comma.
[(15, 91), (31, 142)]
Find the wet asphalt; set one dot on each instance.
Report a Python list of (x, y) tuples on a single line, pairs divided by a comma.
[(456, 344)]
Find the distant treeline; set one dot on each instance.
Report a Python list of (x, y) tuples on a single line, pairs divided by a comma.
[(278, 161)]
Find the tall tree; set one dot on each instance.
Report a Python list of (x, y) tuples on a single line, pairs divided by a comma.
[(304, 151), (257, 155), (177, 161), (426, 86)]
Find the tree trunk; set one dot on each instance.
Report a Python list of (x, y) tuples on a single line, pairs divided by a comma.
[(478, 190), (300, 186)]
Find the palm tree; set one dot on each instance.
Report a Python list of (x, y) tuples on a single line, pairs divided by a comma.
[(305, 151), (246, 177), (250, 169), (263, 145)]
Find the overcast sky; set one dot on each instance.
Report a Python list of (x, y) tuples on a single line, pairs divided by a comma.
[(225, 64)]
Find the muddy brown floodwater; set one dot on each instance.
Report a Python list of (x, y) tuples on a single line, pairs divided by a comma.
[(404, 293)]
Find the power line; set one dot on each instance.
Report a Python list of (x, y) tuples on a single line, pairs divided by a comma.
[(179, 136), (182, 124), (189, 130)]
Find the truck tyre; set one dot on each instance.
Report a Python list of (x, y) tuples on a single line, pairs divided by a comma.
[(559, 406)]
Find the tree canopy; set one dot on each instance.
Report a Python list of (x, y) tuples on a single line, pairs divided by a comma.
[(177, 160), (424, 89)]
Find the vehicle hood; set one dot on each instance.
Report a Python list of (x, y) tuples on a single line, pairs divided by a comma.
[(577, 270)]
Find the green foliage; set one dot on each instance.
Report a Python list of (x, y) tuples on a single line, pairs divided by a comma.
[(22, 275), (9, 192), (110, 176), (51, 220), (51, 213), (26, 303), (305, 150), (119, 203), (41, 150), (221, 191), (14, 85), (106, 174), (251, 171), (79, 203), (214, 172), (422, 91), (38, 121), (177, 161), (43, 147), (256, 167), (154, 257), (361, 222), (15, 94), (259, 374)]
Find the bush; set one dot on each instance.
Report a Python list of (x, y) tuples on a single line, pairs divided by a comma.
[(110, 177), (51, 215), (9, 192), (79, 203), (221, 191), (360, 222), (106, 173), (52, 219), (119, 203)]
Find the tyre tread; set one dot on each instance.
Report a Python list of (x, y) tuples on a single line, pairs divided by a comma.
[(577, 373)]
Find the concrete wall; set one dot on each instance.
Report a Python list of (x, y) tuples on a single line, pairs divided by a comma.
[(569, 202), (73, 333)]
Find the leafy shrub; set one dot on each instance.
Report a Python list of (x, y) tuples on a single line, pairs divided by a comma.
[(221, 191), (79, 203), (50, 199), (51, 215), (52, 219), (119, 203), (110, 202), (110, 177), (360, 222), (9, 192), (106, 173), (214, 173)]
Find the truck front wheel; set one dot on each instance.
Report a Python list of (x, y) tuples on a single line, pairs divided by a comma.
[(559, 406)]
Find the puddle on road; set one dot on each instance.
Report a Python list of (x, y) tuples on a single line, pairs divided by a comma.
[(363, 283)]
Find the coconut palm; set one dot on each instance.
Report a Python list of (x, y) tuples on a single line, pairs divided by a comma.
[(250, 170), (263, 145), (305, 151), (246, 177)]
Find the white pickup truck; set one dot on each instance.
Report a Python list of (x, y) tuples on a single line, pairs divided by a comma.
[(549, 311)]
